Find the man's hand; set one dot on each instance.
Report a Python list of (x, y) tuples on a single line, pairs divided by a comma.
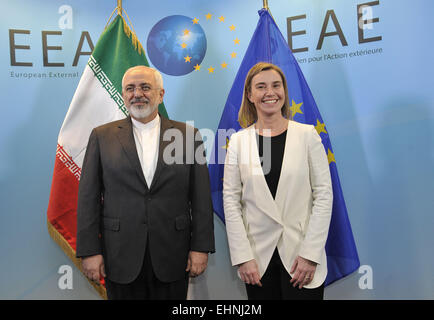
[(303, 270), (249, 272), (93, 267), (197, 262)]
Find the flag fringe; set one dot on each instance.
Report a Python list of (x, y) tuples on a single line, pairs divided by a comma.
[(134, 40), (70, 252)]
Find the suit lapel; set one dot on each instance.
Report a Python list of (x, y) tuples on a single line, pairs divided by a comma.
[(282, 185), (269, 205), (164, 125), (126, 138)]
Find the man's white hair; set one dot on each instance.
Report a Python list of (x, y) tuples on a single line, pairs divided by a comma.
[(157, 75)]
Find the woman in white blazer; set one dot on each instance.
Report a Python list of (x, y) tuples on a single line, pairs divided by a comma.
[(277, 194)]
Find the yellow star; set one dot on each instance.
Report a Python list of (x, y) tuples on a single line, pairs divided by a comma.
[(195, 21), (197, 67), (295, 108), (186, 32), (331, 156), (183, 45), (224, 65), (320, 127), (222, 19), (227, 144), (232, 27), (237, 41), (211, 70), (187, 58), (208, 16), (233, 54)]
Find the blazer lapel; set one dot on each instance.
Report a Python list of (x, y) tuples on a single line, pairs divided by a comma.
[(126, 138), (269, 205), (282, 185), (164, 125)]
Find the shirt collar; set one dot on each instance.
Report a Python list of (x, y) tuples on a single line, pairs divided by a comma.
[(146, 126)]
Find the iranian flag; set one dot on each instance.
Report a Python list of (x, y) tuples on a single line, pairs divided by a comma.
[(97, 100)]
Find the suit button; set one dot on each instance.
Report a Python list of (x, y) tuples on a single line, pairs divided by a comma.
[(149, 199)]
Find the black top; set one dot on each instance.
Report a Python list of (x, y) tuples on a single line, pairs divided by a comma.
[(272, 158)]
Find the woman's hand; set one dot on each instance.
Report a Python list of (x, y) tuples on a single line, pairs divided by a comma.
[(249, 273), (303, 271)]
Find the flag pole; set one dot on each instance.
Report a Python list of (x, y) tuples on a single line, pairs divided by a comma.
[(119, 7), (266, 7)]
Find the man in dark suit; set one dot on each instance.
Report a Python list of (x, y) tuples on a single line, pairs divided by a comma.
[(144, 216)]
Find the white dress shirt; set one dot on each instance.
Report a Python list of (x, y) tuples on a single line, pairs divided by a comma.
[(147, 138)]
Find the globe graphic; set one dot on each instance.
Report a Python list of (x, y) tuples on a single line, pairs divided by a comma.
[(176, 44)]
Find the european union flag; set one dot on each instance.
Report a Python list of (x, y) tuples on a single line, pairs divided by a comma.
[(268, 45)]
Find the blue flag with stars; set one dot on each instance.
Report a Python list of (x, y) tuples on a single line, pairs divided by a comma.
[(268, 45)]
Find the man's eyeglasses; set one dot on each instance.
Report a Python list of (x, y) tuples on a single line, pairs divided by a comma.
[(144, 88)]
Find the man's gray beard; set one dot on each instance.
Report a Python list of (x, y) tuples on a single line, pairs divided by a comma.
[(141, 111)]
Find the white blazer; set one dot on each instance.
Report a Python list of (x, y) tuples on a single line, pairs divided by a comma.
[(297, 220)]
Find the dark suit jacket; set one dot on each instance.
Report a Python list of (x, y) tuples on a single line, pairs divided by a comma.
[(118, 213)]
